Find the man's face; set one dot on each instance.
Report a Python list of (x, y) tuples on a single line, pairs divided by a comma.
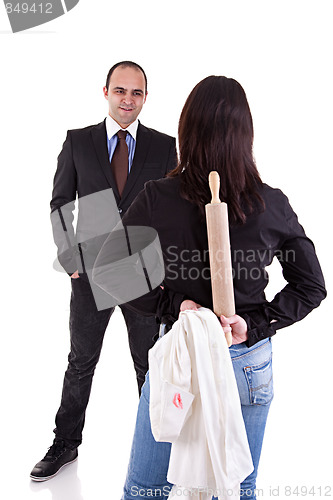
[(126, 95)]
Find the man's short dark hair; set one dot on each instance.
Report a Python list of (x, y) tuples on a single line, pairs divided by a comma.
[(125, 64)]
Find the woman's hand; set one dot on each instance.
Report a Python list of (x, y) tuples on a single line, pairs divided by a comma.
[(189, 304), (236, 324), (238, 328)]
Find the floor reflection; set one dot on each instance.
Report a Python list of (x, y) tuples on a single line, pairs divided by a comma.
[(65, 486)]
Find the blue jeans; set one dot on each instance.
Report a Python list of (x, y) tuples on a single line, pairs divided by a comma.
[(149, 461)]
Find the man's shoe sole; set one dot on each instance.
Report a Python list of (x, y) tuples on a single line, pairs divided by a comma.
[(45, 478)]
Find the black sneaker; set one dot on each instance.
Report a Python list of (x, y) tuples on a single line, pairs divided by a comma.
[(58, 455)]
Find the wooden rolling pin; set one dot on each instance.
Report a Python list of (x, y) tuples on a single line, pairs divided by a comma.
[(219, 253)]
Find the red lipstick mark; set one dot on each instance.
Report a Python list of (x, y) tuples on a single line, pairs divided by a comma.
[(177, 401)]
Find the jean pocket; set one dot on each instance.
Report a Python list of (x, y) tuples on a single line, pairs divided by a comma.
[(260, 382)]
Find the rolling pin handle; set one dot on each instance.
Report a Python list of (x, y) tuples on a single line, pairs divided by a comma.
[(228, 337), (214, 185)]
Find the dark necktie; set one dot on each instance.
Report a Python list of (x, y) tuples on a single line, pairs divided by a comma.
[(119, 161)]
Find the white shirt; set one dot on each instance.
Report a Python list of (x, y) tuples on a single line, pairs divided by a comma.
[(195, 405), (112, 127)]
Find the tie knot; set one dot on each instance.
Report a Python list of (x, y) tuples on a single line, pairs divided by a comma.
[(122, 134)]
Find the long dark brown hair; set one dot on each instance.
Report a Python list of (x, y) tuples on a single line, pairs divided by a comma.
[(216, 133)]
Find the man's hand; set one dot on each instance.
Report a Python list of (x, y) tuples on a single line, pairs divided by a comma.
[(75, 275), (189, 304), (238, 328)]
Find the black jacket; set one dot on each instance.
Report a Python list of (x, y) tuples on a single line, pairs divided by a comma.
[(269, 233)]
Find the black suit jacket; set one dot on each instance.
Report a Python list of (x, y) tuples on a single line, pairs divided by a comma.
[(84, 168)]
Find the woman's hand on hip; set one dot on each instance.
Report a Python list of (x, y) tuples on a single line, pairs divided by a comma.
[(238, 328)]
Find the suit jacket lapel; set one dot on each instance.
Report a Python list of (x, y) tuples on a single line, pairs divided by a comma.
[(99, 139), (143, 140)]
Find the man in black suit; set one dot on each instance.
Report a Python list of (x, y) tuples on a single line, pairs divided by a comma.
[(85, 167)]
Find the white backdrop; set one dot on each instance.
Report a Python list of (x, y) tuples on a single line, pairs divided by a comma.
[(51, 81)]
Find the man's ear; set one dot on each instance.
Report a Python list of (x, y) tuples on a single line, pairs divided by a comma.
[(105, 92)]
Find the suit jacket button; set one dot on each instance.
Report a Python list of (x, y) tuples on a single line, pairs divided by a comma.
[(120, 210)]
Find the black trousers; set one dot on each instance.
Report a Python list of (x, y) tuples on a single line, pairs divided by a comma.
[(87, 329)]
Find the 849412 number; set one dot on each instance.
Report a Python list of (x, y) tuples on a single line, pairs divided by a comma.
[(24, 8), (325, 491)]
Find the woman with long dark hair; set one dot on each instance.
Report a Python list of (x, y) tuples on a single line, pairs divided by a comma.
[(216, 133), (218, 104)]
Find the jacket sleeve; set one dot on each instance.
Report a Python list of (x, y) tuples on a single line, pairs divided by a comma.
[(305, 287), (62, 207), (173, 158)]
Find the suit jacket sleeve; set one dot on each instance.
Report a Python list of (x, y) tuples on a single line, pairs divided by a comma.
[(62, 207), (173, 158), (305, 287)]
